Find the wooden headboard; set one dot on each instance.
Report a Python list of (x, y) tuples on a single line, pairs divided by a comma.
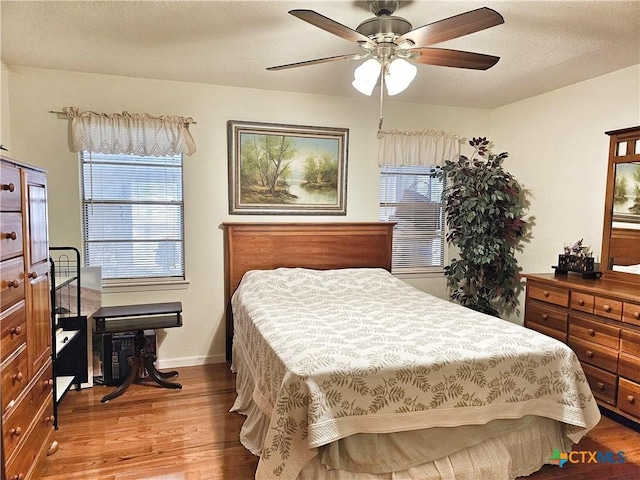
[(321, 246)]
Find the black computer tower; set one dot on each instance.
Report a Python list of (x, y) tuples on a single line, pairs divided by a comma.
[(116, 349)]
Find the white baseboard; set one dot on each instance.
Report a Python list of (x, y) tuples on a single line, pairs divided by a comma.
[(189, 361)]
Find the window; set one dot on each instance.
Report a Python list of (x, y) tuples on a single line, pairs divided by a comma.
[(132, 210), (411, 196)]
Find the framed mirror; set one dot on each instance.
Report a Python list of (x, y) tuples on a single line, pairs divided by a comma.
[(620, 258)]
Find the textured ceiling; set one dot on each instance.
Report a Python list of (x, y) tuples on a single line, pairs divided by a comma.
[(543, 45)]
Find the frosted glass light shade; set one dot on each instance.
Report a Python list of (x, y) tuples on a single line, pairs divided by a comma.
[(400, 74), (366, 76)]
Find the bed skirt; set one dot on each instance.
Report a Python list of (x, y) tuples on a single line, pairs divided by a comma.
[(507, 456)]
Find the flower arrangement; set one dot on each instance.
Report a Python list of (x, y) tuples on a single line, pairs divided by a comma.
[(577, 249), (576, 258)]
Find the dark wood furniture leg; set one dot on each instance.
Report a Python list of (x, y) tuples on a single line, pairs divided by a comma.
[(159, 376), (134, 365), (136, 362), (149, 360)]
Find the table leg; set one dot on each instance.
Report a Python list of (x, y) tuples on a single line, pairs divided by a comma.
[(134, 363), (158, 376)]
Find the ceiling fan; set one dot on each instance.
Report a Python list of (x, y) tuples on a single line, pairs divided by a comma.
[(390, 44)]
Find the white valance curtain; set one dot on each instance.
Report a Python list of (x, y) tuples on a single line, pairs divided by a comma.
[(130, 133), (424, 148)]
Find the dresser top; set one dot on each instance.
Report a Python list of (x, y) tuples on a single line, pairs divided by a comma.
[(600, 286)]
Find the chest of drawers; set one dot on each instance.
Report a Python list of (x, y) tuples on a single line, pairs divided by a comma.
[(25, 328), (600, 321)]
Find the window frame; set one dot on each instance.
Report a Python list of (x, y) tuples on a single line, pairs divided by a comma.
[(138, 282), (397, 172)]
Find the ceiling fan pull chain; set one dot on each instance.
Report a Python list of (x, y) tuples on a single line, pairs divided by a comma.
[(381, 99)]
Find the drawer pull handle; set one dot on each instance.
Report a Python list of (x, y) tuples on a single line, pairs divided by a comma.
[(601, 386), (49, 419), (48, 383), (631, 399), (16, 431), (545, 294), (581, 302), (589, 354), (544, 316), (636, 314), (8, 186), (17, 377), (33, 275), (592, 332), (606, 308), (16, 330), (13, 283), (18, 476), (10, 236)]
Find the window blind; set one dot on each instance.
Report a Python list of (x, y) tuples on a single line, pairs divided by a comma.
[(133, 213), (411, 196)]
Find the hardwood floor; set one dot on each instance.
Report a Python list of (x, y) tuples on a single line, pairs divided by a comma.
[(153, 433)]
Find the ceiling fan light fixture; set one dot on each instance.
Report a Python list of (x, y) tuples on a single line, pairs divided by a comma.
[(398, 75), (366, 76)]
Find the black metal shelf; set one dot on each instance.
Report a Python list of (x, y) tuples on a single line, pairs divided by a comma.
[(69, 326)]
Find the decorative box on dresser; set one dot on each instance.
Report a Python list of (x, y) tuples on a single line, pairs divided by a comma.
[(25, 326), (600, 318)]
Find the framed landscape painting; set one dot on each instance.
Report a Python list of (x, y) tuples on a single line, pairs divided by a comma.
[(287, 169), (626, 194)]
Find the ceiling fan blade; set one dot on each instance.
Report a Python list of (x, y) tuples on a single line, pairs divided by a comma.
[(454, 58), (331, 26), (453, 27), (353, 56)]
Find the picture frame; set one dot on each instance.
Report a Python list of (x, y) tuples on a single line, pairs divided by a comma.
[(287, 169)]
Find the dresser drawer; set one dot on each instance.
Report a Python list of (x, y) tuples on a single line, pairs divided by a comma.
[(629, 397), (630, 342), (548, 294), (603, 384), (594, 354), (631, 313), (607, 307), (550, 332), (597, 332), (582, 302), (10, 198), (10, 235), (13, 330), (546, 316), (11, 282), (15, 377), (18, 422), (34, 446), (629, 367), (42, 387)]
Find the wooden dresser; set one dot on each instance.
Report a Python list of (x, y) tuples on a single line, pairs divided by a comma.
[(600, 321), (25, 320)]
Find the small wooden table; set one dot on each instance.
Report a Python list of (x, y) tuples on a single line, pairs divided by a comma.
[(137, 318)]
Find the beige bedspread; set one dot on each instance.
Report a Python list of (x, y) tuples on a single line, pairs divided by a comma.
[(336, 353)]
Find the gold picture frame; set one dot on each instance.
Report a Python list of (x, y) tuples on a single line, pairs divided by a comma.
[(287, 169)]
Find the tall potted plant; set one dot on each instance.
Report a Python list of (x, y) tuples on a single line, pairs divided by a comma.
[(484, 206)]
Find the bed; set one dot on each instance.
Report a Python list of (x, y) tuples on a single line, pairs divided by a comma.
[(346, 373)]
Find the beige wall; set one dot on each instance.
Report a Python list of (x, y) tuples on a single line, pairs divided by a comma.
[(556, 142), (5, 132), (559, 151), (41, 138)]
